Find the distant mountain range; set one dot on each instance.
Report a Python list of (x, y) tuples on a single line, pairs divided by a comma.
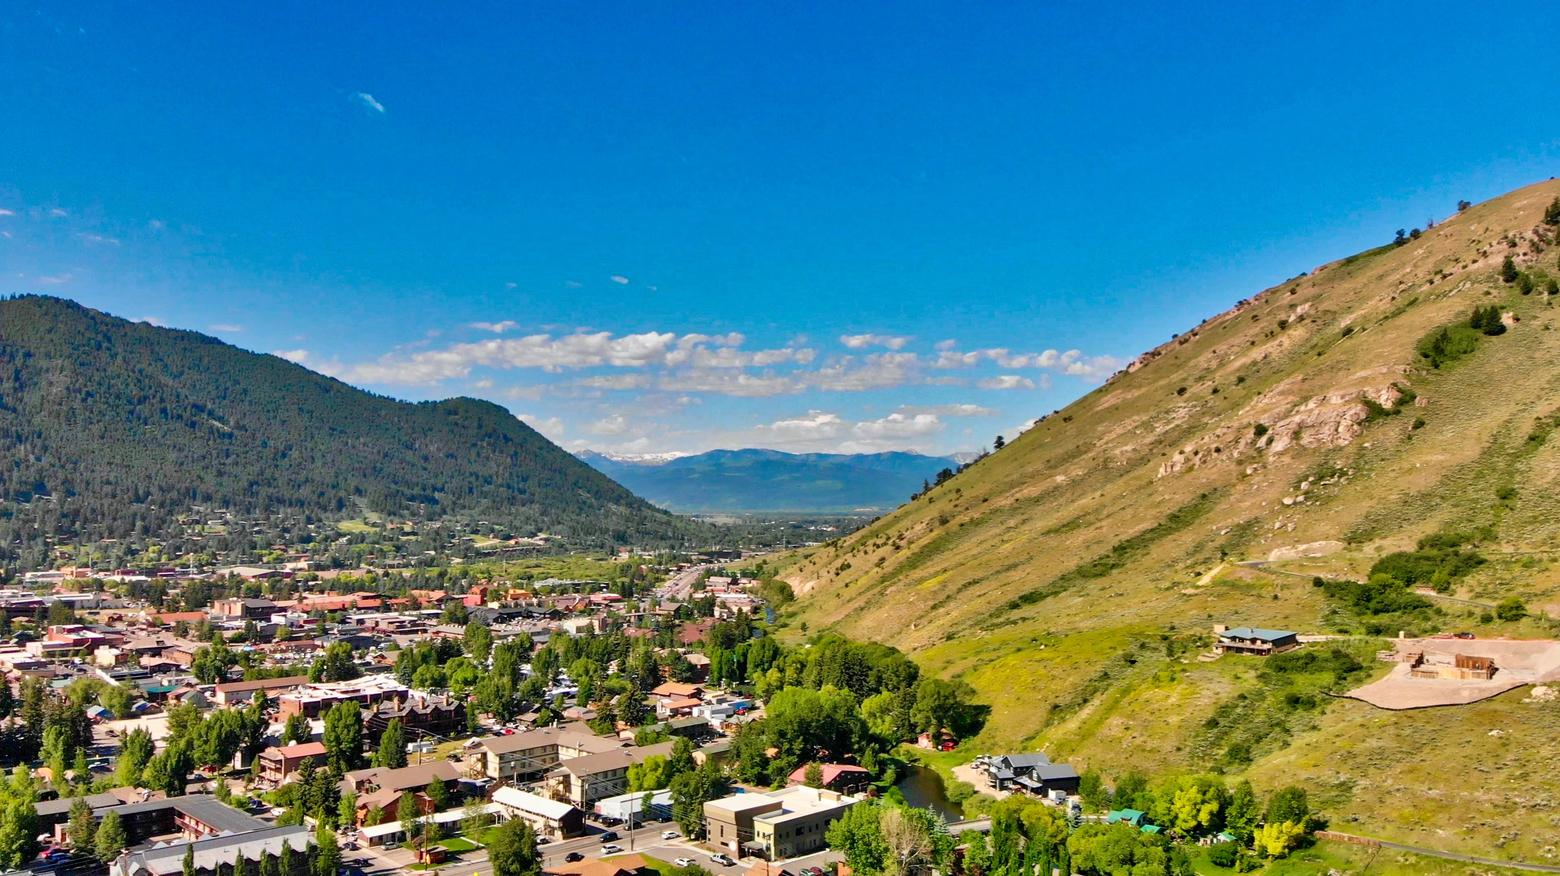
[(126, 425), (770, 480)]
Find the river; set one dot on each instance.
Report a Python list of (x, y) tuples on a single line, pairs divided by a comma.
[(923, 788)]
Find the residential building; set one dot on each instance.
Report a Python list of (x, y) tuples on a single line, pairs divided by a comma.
[(842, 777), (584, 780), (440, 716), (1030, 772), (275, 765), (381, 787), (1254, 640), (525, 757), (550, 818)]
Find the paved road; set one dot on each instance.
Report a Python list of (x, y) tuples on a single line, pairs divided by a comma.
[(680, 586)]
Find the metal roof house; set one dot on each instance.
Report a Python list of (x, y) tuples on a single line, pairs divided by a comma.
[(1030, 772), (1254, 640)]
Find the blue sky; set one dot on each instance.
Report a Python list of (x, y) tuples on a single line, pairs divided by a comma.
[(669, 227)]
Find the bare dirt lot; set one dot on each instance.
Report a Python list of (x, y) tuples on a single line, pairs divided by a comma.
[(1517, 662)]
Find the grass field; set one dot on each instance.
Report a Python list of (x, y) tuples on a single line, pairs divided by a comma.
[(1329, 857)]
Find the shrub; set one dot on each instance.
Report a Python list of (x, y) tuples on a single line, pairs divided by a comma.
[(1223, 854), (1450, 343), (1508, 271), (1510, 609), (1552, 212)]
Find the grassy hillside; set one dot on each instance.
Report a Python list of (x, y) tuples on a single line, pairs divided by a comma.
[(1073, 577), (127, 425)]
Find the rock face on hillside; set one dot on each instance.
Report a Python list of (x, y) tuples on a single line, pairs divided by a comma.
[(1308, 425)]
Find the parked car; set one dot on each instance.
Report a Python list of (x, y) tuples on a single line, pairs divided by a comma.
[(670, 834), (543, 840), (722, 859), (611, 849), (684, 862), (608, 835), (572, 857)]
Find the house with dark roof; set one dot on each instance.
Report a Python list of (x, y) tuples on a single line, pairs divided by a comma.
[(1030, 772), (1254, 640)]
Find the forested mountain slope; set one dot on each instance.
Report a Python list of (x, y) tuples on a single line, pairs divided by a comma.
[(771, 480), (125, 426), (1391, 411)]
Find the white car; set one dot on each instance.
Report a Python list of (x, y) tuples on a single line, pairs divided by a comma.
[(611, 849), (722, 859), (671, 834), (684, 862)]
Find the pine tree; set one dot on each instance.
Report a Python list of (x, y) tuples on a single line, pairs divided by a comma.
[(1508, 270), (110, 838), (392, 746), (83, 827)]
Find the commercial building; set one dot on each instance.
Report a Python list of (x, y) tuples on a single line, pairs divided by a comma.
[(314, 700), (774, 825), (220, 854), (237, 693)]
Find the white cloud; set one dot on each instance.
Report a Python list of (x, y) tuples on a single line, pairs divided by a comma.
[(367, 101), (953, 410), (5, 212), (615, 381), (151, 320), (813, 426), (876, 371), (615, 424), (1007, 381), (619, 279), (729, 382), (298, 357), (861, 342), (955, 359), (97, 239), (227, 327), (496, 328), (552, 427), (898, 426), (948, 344), (1071, 362), (56, 279), (58, 212)]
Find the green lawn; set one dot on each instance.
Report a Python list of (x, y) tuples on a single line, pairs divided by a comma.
[(459, 844)]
